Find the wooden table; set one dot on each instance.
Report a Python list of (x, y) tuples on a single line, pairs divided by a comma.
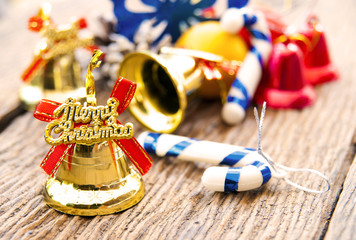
[(176, 205)]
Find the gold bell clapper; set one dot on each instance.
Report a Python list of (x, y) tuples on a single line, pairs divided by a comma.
[(54, 73), (167, 81), (95, 164)]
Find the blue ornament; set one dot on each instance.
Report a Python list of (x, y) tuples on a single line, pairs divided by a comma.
[(173, 16)]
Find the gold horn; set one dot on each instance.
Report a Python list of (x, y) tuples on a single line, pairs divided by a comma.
[(94, 179), (165, 84)]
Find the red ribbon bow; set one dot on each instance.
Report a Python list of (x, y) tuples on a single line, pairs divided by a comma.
[(123, 91)]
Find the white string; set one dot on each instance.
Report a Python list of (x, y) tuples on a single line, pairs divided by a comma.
[(259, 125), (278, 170)]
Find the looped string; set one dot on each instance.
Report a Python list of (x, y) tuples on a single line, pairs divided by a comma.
[(280, 171)]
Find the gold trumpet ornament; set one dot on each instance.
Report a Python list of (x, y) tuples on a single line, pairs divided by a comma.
[(95, 164), (167, 82), (54, 72)]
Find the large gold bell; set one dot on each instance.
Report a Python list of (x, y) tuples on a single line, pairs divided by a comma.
[(165, 84), (59, 79), (94, 180)]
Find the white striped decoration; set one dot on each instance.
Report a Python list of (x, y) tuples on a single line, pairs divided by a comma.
[(190, 149), (237, 179), (250, 73), (249, 169)]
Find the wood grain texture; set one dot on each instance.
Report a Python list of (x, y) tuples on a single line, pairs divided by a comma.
[(176, 205), (343, 222)]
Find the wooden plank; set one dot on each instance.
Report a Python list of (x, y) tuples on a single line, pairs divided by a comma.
[(343, 221), (176, 205)]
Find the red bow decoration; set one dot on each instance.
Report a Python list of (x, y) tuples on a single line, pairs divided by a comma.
[(123, 91)]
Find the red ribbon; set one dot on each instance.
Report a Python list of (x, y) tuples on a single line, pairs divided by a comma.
[(211, 69), (123, 91)]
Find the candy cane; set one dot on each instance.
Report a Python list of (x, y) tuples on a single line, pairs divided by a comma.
[(190, 149), (254, 175), (250, 170), (250, 73), (230, 179)]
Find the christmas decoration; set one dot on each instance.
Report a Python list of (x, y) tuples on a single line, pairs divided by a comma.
[(191, 149), (298, 60), (243, 161), (258, 29), (167, 80), (252, 173), (87, 164), (284, 84), (318, 66), (54, 72), (249, 75), (210, 37), (248, 168)]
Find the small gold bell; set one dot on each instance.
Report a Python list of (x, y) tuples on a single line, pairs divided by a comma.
[(54, 72)]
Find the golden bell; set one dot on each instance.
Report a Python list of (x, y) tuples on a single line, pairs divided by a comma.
[(95, 176), (167, 81), (54, 72), (59, 79), (94, 180)]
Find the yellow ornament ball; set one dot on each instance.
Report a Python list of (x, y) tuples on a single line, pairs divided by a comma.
[(210, 37)]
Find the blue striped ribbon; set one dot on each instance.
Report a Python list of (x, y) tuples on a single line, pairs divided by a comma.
[(242, 102)]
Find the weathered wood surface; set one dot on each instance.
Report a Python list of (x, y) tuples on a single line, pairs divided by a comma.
[(343, 222), (176, 205)]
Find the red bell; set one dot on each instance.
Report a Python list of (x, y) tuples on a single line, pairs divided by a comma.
[(284, 84), (318, 67)]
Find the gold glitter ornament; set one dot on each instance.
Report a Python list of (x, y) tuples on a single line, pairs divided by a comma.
[(91, 171)]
